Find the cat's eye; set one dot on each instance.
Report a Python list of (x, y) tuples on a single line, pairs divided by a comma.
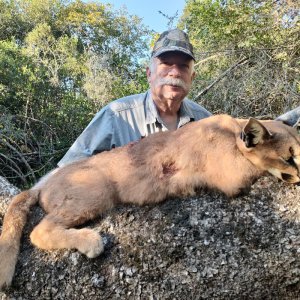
[(291, 161)]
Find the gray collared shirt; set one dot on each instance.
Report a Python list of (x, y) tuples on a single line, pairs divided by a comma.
[(126, 120), (291, 118)]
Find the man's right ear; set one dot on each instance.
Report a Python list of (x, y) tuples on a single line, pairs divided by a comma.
[(148, 72)]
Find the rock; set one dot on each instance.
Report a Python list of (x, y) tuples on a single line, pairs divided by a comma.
[(7, 190), (202, 247)]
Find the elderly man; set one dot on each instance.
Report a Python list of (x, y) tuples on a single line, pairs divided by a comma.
[(163, 107)]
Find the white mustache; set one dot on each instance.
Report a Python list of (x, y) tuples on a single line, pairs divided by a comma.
[(173, 81)]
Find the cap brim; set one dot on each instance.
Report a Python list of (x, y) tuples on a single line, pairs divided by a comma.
[(173, 49)]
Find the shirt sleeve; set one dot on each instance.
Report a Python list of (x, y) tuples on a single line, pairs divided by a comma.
[(291, 117), (96, 137)]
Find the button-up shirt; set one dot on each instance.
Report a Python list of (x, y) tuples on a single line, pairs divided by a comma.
[(127, 120)]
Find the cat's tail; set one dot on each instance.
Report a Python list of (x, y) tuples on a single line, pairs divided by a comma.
[(13, 224)]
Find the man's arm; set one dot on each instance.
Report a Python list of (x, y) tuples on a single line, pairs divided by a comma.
[(291, 117), (96, 137)]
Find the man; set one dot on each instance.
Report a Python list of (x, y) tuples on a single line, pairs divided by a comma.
[(163, 107)]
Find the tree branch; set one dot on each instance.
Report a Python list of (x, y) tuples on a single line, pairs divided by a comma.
[(203, 92)]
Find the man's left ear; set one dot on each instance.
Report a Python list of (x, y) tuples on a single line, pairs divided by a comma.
[(193, 75), (254, 133)]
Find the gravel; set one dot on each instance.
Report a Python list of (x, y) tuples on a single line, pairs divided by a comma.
[(202, 247)]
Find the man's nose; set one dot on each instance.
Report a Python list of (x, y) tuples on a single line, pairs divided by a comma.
[(174, 71)]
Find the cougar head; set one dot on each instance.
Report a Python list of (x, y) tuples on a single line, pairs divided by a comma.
[(272, 146)]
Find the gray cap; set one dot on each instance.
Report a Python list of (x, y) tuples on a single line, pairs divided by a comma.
[(173, 40)]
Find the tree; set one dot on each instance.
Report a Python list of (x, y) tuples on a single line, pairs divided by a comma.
[(60, 62), (266, 33)]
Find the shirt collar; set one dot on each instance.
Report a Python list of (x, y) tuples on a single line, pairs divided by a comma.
[(151, 110), (185, 113)]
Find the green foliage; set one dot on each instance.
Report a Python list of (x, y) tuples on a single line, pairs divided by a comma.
[(57, 56), (60, 62), (12, 76), (232, 23), (266, 33)]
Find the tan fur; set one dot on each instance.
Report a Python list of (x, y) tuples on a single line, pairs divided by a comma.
[(207, 153)]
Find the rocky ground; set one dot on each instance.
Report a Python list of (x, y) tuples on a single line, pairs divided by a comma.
[(202, 247)]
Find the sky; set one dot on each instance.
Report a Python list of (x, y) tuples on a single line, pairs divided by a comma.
[(148, 11)]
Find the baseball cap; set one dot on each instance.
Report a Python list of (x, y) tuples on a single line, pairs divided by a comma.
[(173, 40)]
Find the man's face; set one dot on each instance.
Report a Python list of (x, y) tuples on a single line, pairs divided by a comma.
[(170, 76)]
